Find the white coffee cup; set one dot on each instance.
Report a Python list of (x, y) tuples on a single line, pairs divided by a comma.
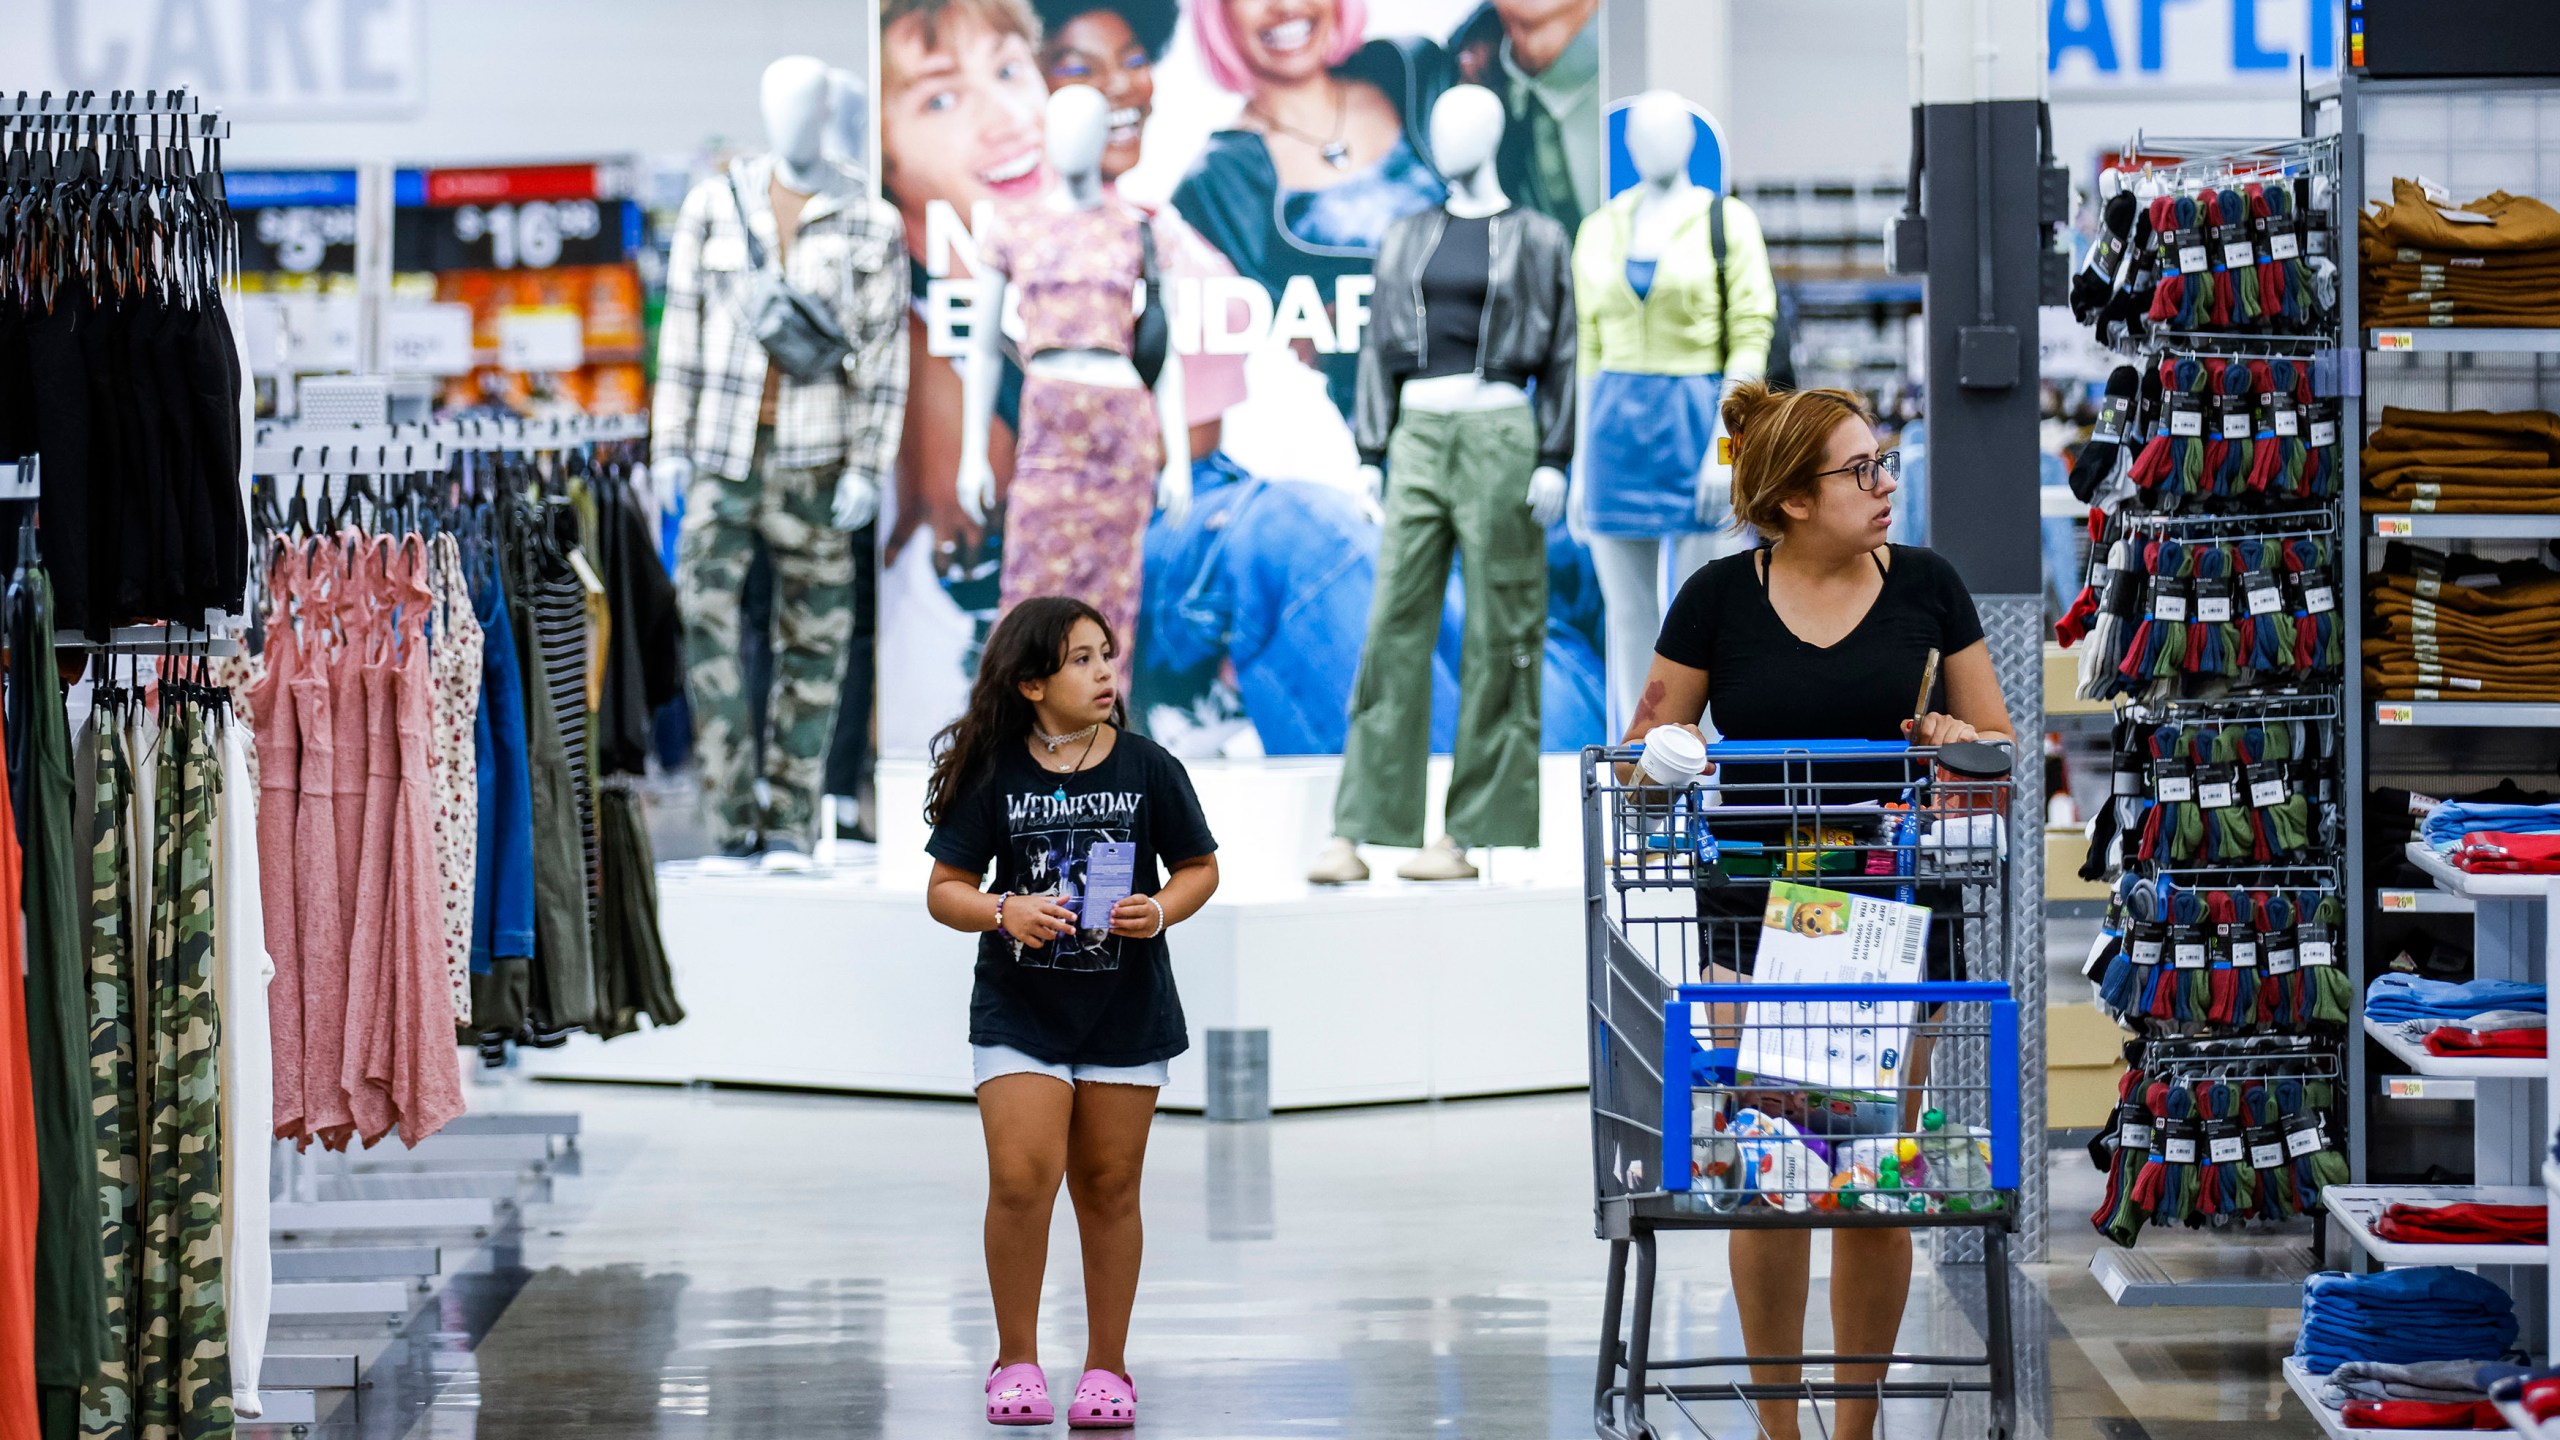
[(1672, 757)]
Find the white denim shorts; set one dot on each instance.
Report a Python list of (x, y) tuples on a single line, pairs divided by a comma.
[(990, 1061)]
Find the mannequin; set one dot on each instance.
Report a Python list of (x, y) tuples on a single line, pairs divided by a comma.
[(848, 120), (1474, 408), (767, 460), (1657, 352), (1097, 452)]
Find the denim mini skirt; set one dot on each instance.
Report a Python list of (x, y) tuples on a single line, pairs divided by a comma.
[(1643, 445)]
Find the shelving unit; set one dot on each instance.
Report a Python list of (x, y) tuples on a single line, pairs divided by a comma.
[(2467, 527), (2466, 1067), (2467, 714)]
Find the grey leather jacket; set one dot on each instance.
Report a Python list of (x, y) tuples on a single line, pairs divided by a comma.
[(1529, 333)]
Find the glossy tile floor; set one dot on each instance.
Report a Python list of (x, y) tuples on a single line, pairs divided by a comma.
[(749, 1265)]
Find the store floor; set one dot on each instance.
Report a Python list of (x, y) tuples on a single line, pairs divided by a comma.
[(745, 1265)]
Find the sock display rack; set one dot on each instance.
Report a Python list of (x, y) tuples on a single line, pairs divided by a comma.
[(2213, 622), (2466, 138)]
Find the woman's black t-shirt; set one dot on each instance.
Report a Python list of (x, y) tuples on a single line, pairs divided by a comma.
[(1090, 998), (1763, 683)]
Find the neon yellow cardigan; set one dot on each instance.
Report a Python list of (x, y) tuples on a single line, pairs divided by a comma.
[(1679, 329)]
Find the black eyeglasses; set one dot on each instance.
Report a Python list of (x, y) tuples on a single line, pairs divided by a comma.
[(1869, 471)]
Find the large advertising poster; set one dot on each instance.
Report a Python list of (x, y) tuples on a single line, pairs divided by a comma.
[(1273, 142)]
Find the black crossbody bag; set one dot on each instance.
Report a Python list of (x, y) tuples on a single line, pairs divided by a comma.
[(797, 332)]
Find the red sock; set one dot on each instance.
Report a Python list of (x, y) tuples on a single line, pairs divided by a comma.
[(2421, 1415)]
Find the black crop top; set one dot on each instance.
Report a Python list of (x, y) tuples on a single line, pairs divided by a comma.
[(1453, 289)]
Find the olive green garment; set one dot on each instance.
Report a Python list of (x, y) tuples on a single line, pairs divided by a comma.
[(1454, 481), (564, 987), (71, 1318)]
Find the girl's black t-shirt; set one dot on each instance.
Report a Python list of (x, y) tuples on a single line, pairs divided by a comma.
[(1090, 998), (1763, 683)]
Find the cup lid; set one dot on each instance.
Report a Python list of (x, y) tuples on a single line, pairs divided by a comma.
[(1676, 747)]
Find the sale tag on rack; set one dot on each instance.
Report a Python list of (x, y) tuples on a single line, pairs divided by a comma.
[(2402, 900), (2394, 525), (2395, 715), (2402, 340)]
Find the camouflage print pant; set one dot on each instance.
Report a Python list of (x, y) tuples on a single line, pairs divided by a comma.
[(792, 512)]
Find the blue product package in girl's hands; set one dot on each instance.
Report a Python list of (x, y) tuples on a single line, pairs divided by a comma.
[(1110, 873)]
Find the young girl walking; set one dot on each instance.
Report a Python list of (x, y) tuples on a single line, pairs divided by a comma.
[(1074, 1015)]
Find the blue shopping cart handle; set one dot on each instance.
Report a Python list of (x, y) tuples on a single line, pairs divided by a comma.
[(1927, 992), (1784, 749)]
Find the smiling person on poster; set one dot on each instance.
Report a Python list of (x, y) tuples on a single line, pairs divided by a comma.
[(1825, 633), (1466, 397), (1100, 446), (791, 462), (1667, 331), (1325, 153)]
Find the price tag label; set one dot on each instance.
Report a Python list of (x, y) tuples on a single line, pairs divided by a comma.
[(2266, 1154), (2181, 1150), (2214, 792), (2168, 604), (2317, 953), (2213, 608), (2173, 787), (2244, 954), (2405, 900), (2266, 790), (2190, 954), (2146, 950), (2395, 715), (2266, 597), (2287, 417), (2133, 1135), (2282, 959), (2281, 245), (2319, 599), (2238, 254), (2193, 258), (2301, 1136), (2224, 1149), (2186, 417), (2395, 340), (2394, 525), (2324, 433), (2235, 425)]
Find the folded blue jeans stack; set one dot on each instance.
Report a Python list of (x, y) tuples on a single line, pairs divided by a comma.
[(2403, 1317), (2395, 997)]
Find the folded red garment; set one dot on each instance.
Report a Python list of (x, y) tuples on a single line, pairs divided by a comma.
[(2488, 1044), (2421, 1415), (2498, 853), (2463, 1224)]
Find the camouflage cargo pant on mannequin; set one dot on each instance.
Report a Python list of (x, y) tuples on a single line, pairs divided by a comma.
[(791, 511)]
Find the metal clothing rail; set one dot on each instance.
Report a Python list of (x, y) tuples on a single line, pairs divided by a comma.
[(41, 111)]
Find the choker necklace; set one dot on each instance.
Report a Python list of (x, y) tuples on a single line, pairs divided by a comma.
[(1071, 737), (1335, 150)]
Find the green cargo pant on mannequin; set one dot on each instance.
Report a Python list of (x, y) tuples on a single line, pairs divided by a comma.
[(813, 621), (1457, 480)]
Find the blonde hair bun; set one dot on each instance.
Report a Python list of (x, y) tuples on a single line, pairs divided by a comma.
[(1779, 438), (1744, 404)]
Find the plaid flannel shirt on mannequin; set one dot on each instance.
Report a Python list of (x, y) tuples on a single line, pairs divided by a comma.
[(849, 252)]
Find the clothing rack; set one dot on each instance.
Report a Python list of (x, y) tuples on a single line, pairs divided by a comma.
[(41, 112)]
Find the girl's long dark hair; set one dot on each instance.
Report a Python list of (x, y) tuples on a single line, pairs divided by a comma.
[(1028, 644)]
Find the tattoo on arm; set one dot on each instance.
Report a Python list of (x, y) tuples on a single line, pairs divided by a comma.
[(1646, 708)]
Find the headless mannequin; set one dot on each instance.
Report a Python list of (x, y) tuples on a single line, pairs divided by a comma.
[(1466, 130), (1661, 133), (1079, 130), (797, 108)]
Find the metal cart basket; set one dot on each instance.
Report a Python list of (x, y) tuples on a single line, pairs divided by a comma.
[(1867, 1097)]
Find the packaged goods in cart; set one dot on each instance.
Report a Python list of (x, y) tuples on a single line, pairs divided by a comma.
[(1810, 936)]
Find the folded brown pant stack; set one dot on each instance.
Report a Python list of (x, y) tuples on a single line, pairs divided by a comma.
[(2492, 635), (2421, 269), (2463, 462)]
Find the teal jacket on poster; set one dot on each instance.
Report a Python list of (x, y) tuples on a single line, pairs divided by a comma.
[(1680, 329)]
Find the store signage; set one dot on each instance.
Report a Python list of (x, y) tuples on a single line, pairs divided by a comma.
[(427, 339), (541, 338), (2098, 45), (251, 59), (512, 218)]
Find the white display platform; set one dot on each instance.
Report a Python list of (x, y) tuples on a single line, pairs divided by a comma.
[(1379, 992)]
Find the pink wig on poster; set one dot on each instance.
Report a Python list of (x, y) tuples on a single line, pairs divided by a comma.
[(1224, 58)]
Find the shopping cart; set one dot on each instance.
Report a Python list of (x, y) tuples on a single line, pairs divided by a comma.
[(1720, 1101)]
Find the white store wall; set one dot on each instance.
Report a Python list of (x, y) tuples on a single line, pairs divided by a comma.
[(1804, 87)]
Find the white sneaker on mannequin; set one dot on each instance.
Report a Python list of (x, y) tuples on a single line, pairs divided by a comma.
[(1338, 864), (1442, 859)]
